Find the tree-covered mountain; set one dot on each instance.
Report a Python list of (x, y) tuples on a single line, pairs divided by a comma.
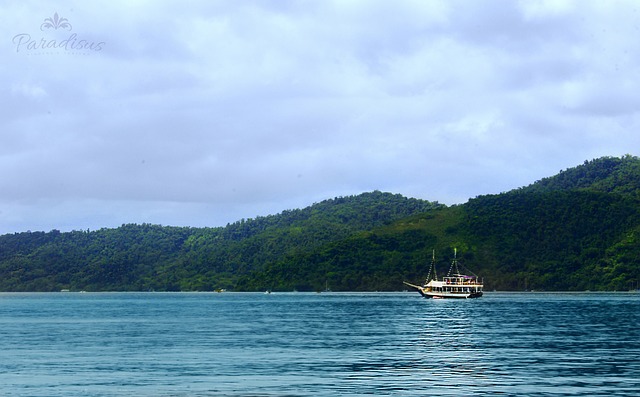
[(152, 257), (605, 174), (573, 231)]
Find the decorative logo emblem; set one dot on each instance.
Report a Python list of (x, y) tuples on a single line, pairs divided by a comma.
[(56, 23)]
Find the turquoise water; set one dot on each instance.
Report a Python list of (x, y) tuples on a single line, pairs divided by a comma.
[(298, 344)]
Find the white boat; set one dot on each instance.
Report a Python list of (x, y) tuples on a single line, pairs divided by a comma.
[(454, 285)]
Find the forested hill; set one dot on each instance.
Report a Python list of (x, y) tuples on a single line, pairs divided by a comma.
[(577, 230), (573, 231), (605, 174), (152, 257)]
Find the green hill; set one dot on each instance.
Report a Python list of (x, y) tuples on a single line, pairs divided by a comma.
[(573, 231), (606, 175), (152, 257)]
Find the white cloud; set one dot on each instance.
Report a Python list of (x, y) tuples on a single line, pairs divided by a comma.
[(29, 91), (205, 112)]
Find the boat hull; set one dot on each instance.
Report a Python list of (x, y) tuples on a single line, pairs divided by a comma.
[(444, 295), (431, 294)]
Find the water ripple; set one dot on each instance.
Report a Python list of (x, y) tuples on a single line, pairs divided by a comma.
[(318, 344)]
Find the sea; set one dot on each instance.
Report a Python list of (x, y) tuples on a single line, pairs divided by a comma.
[(319, 344)]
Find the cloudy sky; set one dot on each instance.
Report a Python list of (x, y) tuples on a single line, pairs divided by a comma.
[(201, 113)]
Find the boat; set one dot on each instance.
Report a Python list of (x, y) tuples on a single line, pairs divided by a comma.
[(454, 285)]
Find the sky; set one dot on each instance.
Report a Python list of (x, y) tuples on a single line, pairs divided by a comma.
[(205, 112)]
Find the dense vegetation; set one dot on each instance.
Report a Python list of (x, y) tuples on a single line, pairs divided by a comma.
[(152, 257), (573, 231)]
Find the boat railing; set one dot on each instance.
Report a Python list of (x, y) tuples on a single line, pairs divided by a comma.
[(461, 280)]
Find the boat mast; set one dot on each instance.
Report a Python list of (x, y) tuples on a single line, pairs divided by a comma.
[(432, 268), (454, 264), (433, 264)]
